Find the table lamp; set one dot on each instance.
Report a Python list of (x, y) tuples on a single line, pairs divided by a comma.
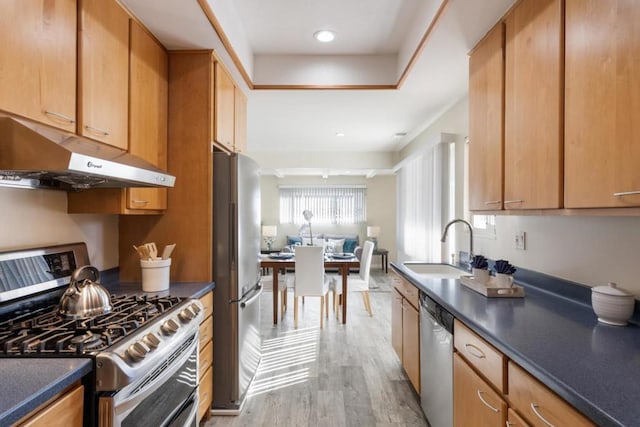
[(373, 232), (269, 234)]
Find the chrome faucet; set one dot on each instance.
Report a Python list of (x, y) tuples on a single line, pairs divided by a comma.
[(453, 221)]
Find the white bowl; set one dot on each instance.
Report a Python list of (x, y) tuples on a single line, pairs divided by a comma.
[(612, 305)]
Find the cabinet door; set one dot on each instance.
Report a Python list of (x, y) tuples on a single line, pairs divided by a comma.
[(66, 411), (602, 103), (38, 60), (240, 122), (103, 84), (396, 323), (486, 121), (411, 343), (515, 420), (475, 404), (533, 106), (148, 102), (224, 107), (539, 405)]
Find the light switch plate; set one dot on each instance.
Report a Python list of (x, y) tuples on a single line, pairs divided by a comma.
[(521, 240)]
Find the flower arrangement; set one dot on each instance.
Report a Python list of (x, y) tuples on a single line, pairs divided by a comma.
[(503, 267), (479, 262)]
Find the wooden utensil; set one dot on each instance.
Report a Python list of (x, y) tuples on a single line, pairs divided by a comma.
[(166, 252), (153, 250)]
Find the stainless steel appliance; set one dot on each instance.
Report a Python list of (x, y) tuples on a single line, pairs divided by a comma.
[(145, 349), (436, 362), (39, 156), (236, 272)]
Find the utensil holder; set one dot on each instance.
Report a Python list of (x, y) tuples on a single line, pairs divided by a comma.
[(155, 274)]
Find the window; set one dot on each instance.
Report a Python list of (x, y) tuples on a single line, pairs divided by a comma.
[(334, 204)]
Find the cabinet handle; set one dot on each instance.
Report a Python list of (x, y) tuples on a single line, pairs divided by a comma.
[(59, 116), (535, 407), (475, 351), (626, 193), (141, 202), (493, 202), (513, 201), (496, 410), (509, 424), (96, 130)]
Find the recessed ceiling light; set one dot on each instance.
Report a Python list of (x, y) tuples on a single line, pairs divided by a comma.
[(324, 36), (399, 134), (339, 134)]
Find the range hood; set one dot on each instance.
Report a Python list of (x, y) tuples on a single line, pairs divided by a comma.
[(34, 155)]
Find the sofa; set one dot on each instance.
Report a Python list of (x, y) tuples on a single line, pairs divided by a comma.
[(338, 242)]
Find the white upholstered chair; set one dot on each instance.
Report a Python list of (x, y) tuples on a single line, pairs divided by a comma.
[(309, 279), (359, 283)]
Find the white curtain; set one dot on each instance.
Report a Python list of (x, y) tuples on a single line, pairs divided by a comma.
[(329, 204), (420, 206)]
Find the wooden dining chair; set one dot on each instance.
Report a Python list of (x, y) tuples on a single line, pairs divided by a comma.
[(310, 280), (358, 283)]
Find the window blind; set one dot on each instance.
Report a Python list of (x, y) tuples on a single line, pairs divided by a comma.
[(329, 204)]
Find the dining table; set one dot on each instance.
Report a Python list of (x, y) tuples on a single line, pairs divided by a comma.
[(278, 262)]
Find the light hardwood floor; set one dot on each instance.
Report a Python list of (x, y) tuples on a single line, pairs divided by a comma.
[(341, 375)]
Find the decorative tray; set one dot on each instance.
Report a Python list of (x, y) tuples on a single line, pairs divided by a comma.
[(491, 291)]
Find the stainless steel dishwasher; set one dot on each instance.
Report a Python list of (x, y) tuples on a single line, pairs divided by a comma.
[(436, 362)]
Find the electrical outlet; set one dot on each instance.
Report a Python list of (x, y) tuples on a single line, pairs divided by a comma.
[(521, 240)]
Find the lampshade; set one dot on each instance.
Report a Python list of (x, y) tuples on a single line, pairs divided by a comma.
[(270, 230), (373, 231), (307, 214)]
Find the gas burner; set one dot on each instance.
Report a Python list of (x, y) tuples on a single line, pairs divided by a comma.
[(44, 331)]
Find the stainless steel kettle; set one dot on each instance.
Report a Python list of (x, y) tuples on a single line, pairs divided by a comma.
[(84, 297)]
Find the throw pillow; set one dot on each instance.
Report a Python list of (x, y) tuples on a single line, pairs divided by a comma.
[(349, 245), (292, 240), (335, 245), (306, 241)]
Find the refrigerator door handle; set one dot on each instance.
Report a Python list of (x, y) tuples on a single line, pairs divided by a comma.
[(248, 301), (233, 234)]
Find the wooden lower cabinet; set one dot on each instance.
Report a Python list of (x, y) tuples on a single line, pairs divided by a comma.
[(538, 405), (475, 403), (205, 368), (405, 328), (66, 411)]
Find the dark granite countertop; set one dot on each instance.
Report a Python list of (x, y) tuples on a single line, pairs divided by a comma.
[(186, 289), (28, 383), (593, 366)]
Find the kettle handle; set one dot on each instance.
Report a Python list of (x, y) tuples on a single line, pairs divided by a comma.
[(78, 273)]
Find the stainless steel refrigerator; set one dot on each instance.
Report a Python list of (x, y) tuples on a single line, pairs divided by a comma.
[(236, 272)]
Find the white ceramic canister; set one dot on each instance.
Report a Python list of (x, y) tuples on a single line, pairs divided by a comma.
[(612, 305)]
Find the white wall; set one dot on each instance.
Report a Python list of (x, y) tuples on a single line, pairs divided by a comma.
[(381, 208), (32, 218), (585, 249)]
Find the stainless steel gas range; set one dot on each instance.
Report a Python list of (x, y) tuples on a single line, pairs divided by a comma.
[(145, 349)]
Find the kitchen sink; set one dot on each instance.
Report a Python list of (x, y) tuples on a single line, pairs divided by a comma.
[(435, 271)]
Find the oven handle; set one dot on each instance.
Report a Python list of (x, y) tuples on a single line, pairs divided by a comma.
[(132, 401)]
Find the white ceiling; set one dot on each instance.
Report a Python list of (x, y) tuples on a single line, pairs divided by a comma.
[(375, 40)]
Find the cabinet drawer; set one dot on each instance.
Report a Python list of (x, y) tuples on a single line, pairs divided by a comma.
[(205, 393), (407, 290), (515, 420), (207, 301), (206, 358), (489, 362), (65, 411), (539, 405), (206, 332)]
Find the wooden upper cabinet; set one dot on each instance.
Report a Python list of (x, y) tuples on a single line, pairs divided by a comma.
[(533, 105), (224, 108), (103, 83), (602, 103), (486, 121), (148, 103), (38, 60), (240, 122)]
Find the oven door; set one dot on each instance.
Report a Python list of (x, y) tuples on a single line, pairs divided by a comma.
[(167, 396)]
